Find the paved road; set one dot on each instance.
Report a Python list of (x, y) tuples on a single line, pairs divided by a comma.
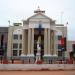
[(37, 72)]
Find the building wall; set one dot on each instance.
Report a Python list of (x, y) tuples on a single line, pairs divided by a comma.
[(69, 45), (11, 31), (63, 29), (50, 47)]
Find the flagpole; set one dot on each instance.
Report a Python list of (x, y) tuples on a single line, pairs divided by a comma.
[(64, 40)]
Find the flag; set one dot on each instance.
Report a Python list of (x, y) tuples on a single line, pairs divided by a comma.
[(62, 41)]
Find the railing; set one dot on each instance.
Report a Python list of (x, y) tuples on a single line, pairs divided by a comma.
[(28, 61)]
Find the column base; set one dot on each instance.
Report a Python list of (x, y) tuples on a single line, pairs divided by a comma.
[(47, 55), (23, 55), (55, 55), (30, 55)]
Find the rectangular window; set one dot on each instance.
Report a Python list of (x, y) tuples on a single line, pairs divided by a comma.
[(15, 45), (15, 37), (20, 46), (20, 37), (15, 52), (20, 51)]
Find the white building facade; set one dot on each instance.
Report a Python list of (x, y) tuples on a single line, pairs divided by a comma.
[(23, 37)]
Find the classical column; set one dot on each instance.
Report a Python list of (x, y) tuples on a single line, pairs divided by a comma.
[(29, 41), (10, 42), (23, 41), (45, 41), (32, 41), (52, 42), (55, 44), (48, 41)]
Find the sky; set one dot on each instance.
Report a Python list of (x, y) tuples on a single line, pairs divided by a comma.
[(62, 11)]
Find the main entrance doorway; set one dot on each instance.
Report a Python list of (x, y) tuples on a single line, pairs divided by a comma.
[(36, 35)]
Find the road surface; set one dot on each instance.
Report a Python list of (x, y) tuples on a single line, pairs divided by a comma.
[(37, 72)]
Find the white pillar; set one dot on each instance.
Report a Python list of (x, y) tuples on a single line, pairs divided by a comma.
[(48, 41), (29, 41), (55, 44), (45, 41), (52, 42), (32, 41), (10, 42), (23, 41)]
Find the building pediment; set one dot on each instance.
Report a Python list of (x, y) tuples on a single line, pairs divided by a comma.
[(39, 16), (36, 18)]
